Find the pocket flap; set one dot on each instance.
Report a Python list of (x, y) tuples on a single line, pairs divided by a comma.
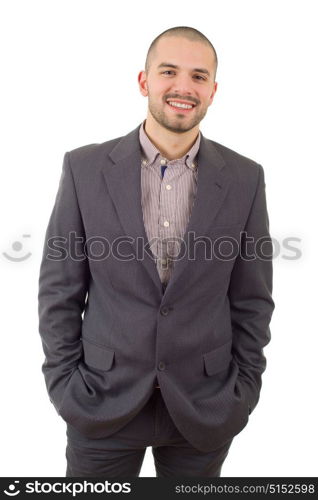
[(218, 359), (97, 356)]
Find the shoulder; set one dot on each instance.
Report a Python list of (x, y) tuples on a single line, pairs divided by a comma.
[(87, 161), (91, 152), (246, 172), (233, 158)]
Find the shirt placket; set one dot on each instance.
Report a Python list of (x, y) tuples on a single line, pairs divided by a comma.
[(167, 229)]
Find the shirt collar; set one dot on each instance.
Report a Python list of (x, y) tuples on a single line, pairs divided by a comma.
[(150, 152)]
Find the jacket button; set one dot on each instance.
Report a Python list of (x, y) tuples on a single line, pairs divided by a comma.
[(161, 366), (164, 311)]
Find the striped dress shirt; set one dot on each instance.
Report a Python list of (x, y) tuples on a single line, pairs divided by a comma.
[(168, 190)]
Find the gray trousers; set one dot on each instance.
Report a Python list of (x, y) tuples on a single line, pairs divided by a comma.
[(122, 453)]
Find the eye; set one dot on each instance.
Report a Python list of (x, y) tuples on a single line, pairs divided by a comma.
[(169, 71)]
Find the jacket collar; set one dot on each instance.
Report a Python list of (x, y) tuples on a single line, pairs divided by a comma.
[(150, 151)]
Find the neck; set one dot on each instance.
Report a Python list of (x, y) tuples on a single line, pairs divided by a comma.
[(170, 144)]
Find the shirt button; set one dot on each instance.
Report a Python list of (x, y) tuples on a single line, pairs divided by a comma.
[(192, 165), (144, 162), (161, 366), (164, 311), (163, 161), (166, 223), (168, 187)]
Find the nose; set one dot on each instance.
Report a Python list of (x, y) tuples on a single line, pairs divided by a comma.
[(182, 85)]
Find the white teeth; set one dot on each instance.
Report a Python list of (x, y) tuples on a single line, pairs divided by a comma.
[(180, 105)]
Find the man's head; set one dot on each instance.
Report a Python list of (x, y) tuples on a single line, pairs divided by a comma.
[(180, 67)]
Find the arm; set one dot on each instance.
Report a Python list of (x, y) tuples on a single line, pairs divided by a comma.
[(250, 295), (63, 284)]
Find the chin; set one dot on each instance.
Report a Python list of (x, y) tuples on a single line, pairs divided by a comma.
[(178, 128)]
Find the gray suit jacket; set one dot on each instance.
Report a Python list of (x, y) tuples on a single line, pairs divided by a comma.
[(107, 328)]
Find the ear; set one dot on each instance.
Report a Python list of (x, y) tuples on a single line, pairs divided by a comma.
[(215, 86), (142, 81)]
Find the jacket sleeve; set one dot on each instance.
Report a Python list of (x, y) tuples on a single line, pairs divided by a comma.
[(63, 284), (250, 295)]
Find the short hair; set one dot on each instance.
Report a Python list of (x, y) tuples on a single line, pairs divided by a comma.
[(191, 34)]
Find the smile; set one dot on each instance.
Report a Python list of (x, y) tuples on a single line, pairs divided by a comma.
[(180, 106)]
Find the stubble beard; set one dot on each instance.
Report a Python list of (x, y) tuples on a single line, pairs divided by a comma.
[(180, 123)]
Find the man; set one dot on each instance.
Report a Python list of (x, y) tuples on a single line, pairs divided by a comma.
[(161, 238)]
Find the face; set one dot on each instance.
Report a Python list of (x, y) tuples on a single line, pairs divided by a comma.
[(181, 73)]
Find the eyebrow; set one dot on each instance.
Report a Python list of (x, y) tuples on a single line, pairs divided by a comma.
[(169, 65)]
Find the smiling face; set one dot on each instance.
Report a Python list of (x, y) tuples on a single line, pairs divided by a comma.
[(181, 74)]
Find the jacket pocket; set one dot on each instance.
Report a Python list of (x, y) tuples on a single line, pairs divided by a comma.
[(218, 359), (97, 356)]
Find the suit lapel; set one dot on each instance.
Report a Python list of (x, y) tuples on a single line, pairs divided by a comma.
[(212, 186), (123, 178)]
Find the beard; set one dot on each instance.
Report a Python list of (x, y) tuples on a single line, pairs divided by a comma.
[(179, 123)]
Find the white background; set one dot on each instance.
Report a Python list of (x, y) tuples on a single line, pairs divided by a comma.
[(69, 77)]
